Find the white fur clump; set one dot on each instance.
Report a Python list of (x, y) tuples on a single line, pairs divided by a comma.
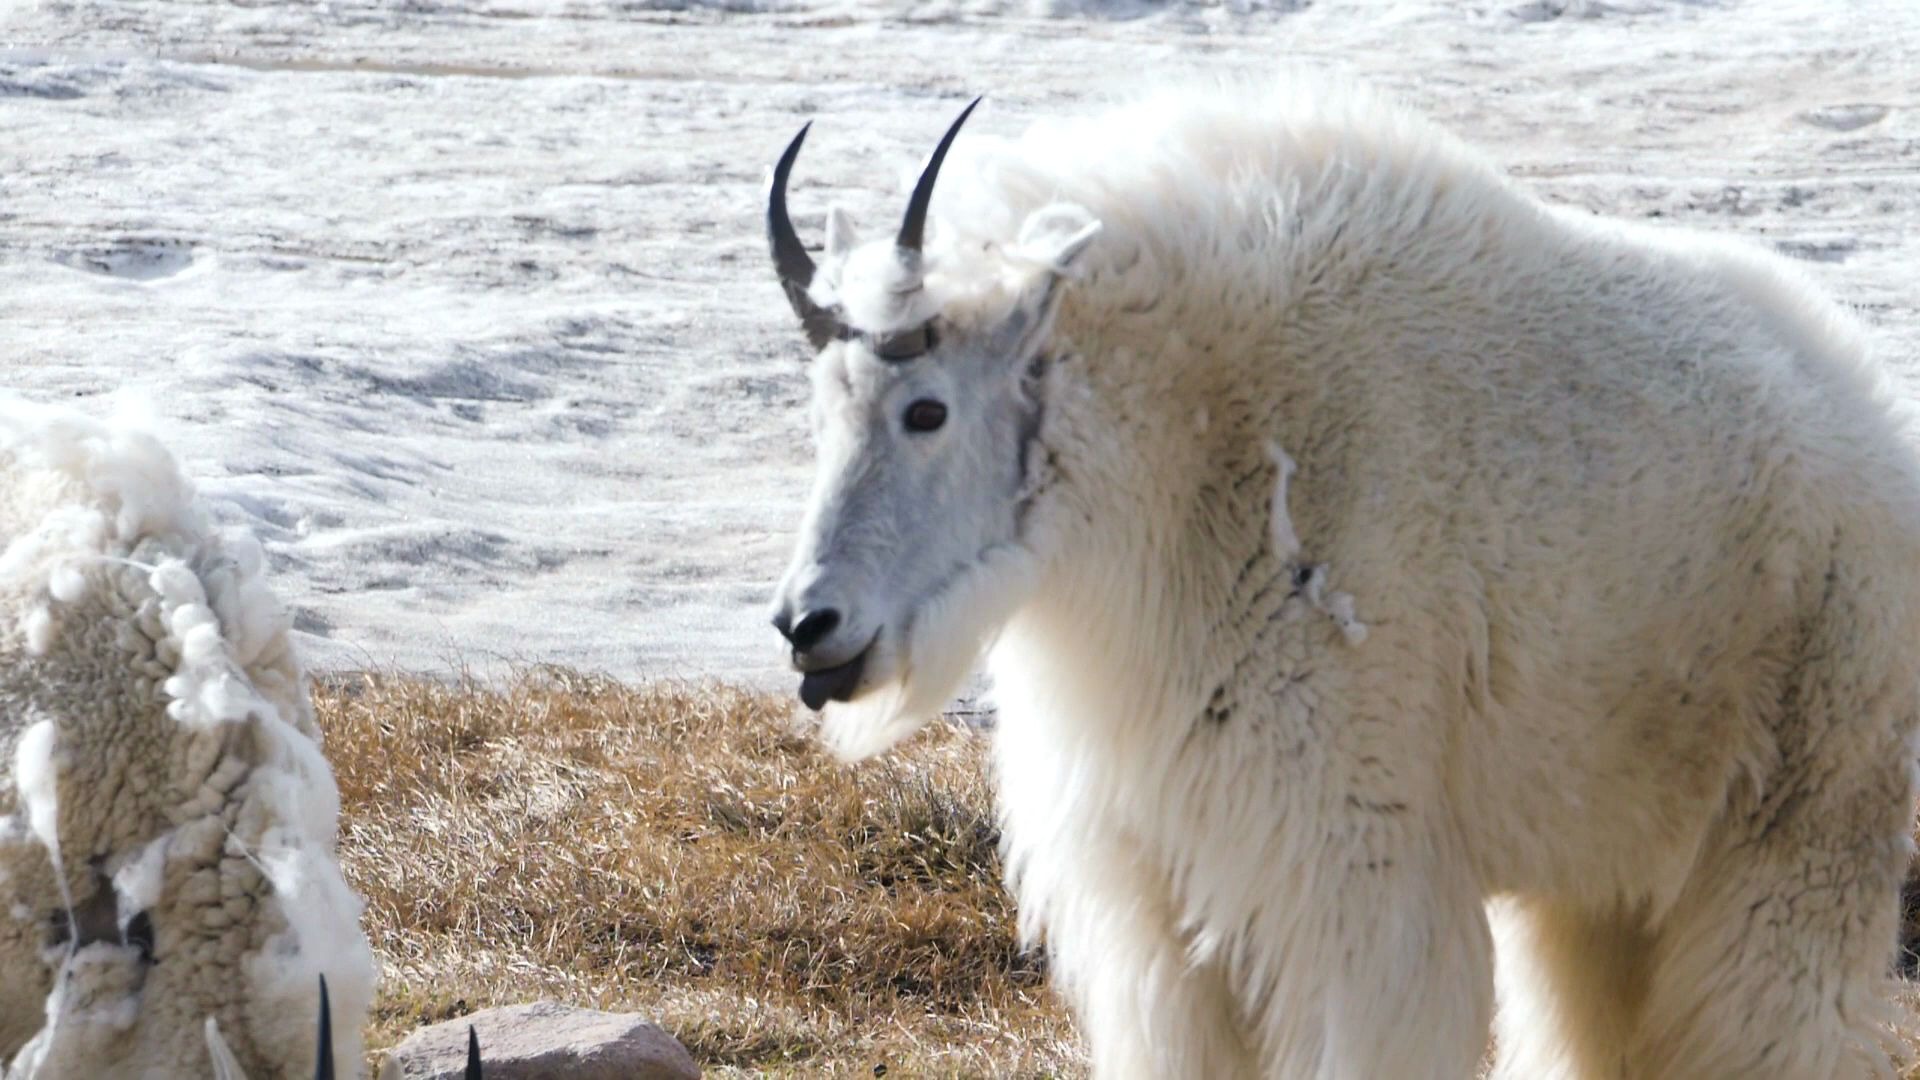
[(896, 303), (1337, 606), (37, 783), (1286, 542), (1633, 518), (167, 827)]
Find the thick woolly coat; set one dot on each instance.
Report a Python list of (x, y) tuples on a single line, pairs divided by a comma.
[(1401, 550), (167, 822)]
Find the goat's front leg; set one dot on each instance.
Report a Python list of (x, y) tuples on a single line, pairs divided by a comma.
[(1380, 964), (1148, 1004)]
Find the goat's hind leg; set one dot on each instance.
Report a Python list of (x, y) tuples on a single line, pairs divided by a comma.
[(1571, 982), (1775, 961), (1777, 964)]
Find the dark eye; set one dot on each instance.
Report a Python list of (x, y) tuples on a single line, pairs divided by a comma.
[(925, 415)]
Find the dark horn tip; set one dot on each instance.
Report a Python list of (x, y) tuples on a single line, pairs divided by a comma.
[(792, 151), (323, 1052), (473, 1054), (789, 255), (913, 227)]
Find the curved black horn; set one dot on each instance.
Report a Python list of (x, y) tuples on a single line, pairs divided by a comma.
[(913, 228), (790, 259)]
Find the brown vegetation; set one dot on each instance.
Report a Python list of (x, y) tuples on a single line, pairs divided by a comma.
[(684, 852)]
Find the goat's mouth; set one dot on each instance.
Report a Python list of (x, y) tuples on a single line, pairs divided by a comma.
[(836, 683)]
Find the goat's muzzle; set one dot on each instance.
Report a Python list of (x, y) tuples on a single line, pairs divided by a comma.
[(836, 683)]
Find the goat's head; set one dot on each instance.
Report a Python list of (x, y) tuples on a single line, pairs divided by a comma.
[(927, 397)]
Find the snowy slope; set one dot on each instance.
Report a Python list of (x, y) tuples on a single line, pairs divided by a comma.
[(463, 304)]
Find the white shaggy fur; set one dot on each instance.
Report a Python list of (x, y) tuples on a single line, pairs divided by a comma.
[(167, 824), (1628, 513)]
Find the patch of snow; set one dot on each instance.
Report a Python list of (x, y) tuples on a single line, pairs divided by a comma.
[(464, 308)]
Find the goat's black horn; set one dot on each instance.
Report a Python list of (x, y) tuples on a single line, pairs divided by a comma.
[(473, 1054), (790, 259), (913, 227), (323, 1053)]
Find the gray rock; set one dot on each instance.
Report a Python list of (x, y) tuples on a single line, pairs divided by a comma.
[(543, 1041)]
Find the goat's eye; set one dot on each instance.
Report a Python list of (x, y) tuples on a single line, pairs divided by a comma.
[(925, 415)]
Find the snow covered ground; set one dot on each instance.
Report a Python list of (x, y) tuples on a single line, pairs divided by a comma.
[(463, 305)]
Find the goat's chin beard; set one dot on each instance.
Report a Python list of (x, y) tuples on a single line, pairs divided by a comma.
[(945, 636)]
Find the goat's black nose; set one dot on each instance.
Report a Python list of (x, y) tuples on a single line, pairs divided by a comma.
[(813, 626)]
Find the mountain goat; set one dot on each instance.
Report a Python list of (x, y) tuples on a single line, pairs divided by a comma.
[(168, 888), (1373, 562)]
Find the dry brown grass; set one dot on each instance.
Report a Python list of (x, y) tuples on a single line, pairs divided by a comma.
[(682, 852)]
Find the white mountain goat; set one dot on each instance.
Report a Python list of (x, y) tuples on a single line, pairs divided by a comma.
[(1362, 550), (168, 890)]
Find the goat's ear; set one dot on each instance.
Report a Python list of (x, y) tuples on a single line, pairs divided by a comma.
[(840, 235), (1055, 236), (1051, 241)]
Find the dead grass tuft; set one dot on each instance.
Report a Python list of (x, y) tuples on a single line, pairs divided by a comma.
[(682, 851)]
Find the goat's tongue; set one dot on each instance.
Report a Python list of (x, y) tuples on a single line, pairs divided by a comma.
[(831, 684)]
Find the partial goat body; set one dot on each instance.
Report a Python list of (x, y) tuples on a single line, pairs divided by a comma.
[(167, 821)]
